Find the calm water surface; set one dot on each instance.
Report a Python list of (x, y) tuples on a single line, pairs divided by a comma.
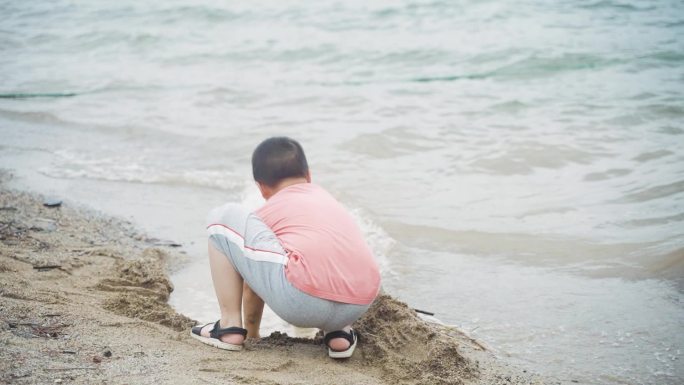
[(516, 166)]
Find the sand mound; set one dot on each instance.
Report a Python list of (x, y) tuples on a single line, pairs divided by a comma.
[(407, 348), (144, 289), (134, 305), (145, 276)]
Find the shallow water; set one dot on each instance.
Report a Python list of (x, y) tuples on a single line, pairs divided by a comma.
[(516, 166)]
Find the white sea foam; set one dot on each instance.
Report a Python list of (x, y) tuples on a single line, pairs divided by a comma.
[(128, 168), (378, 240)]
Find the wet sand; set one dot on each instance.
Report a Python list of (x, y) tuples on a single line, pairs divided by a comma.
[(83, 299)]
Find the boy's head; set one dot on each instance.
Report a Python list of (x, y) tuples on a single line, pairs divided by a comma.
[(277, 159)]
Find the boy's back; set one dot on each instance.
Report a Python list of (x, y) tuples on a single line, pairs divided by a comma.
[(328, 257)]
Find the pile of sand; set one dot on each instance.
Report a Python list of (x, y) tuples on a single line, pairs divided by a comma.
[(409, 349), (143, 290)]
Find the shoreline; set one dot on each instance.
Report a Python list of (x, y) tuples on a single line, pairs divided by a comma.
[(84, 299)]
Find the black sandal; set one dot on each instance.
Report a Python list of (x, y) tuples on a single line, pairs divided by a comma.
[(352, 337), (215, 334)]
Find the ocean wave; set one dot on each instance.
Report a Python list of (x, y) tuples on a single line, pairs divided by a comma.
[(127, 169), (652, 155), (390, 143), (617, 5), (538, 65), (549, 249), (448, 78), (41, 117), (649, 193), (29, 95), (379, 241), (608, 174), (666, 56), (654, 221), (532, 67), (524, 158), (204, 13)]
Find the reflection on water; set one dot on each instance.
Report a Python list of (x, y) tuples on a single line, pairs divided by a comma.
[(516, 167)]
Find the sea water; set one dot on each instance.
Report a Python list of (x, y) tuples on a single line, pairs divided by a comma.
[(516, 166)]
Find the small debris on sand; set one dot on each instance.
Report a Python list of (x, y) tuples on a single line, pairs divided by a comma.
[(52, 202)]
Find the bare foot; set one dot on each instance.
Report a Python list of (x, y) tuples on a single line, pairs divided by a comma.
[(235, 339)]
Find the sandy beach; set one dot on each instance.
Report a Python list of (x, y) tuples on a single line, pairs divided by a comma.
[(83, 300), (516, 168)]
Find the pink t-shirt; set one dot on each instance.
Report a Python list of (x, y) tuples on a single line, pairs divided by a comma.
[(328, 257)]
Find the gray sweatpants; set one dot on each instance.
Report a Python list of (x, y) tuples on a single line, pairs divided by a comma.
[(257, 255)]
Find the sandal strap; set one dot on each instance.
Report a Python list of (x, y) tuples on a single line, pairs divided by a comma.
[(340, 334), (217, 332)]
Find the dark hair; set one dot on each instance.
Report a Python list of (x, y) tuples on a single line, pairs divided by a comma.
[(278, 158)]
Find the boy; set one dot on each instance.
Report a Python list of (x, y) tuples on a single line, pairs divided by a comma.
[(301, 252)]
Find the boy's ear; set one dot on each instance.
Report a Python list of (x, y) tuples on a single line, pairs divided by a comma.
[(308, 176)]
